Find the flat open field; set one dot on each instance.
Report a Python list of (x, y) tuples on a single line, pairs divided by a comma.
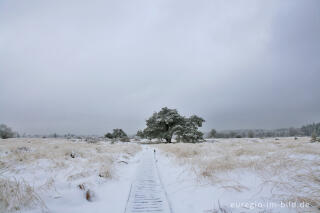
[(241, 175), (59, 175), (221, 175)]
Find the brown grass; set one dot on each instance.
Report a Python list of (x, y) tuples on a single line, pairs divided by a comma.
[(288, 165), (90, 196), (61, 153), (16, 195), (76, 160)]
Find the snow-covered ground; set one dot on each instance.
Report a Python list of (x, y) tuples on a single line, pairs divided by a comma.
[(242, 175), (48, 175), (221, 175)]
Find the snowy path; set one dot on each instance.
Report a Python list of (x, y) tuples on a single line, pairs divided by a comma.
[(147, 193)]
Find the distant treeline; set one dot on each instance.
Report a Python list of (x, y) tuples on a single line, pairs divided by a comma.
[(307, 130)]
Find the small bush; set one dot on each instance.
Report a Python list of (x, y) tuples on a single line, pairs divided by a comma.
[(108, 135), (6, 132), (212, 133), (125, 139), (118, 134)]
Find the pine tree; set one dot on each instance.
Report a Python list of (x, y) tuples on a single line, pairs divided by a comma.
[(168, 123)]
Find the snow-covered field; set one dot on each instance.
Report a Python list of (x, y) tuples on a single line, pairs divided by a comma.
[(55, 175), (243, 175), (221, 175)]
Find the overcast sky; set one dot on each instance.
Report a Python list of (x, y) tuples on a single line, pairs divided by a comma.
[(86, 67)]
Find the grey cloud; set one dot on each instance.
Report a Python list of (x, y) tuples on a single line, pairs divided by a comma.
[(90, 66)]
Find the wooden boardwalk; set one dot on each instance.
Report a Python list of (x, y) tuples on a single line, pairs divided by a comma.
[(147, 193)]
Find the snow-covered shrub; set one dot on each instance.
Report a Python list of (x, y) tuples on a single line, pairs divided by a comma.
[(116, 134)]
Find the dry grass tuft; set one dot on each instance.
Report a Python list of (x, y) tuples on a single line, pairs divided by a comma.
[(16, 195), (82, 186), (78, 176), (90, 196), (105, 171)]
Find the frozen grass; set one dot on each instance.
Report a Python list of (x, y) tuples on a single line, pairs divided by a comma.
[(15, 195), (290, 168), (30, 168)]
